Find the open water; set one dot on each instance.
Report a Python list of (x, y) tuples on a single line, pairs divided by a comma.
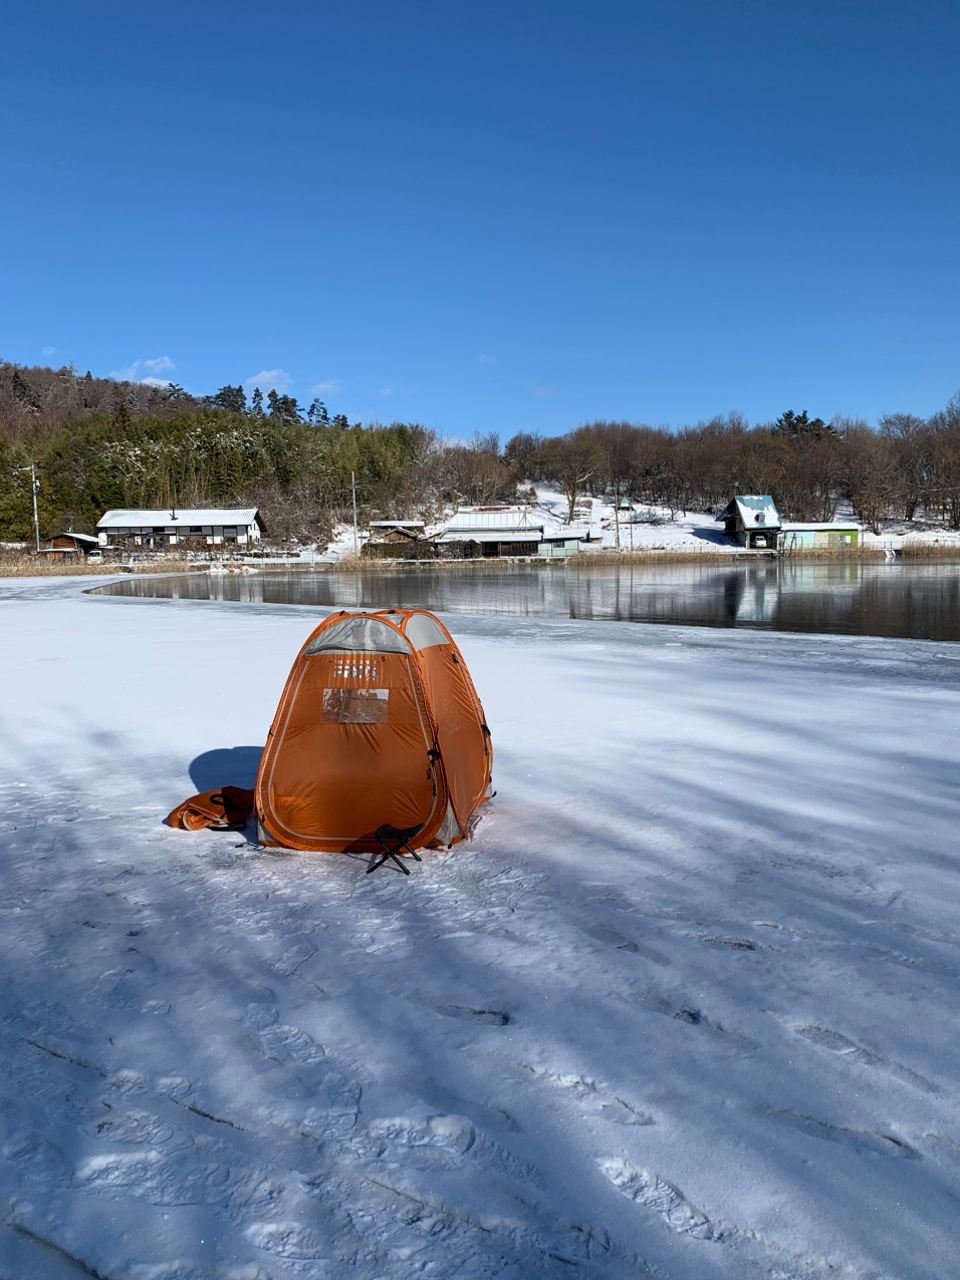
[(895, 598)]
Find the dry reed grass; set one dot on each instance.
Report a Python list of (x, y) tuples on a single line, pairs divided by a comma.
[(930, 550), (652, 556), (16, 565), (836, 553)]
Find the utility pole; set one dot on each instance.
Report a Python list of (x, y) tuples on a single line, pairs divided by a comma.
[(34, 489), (35, 485), (356, 537)]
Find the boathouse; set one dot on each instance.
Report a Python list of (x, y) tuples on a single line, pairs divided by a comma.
[(752, 521)]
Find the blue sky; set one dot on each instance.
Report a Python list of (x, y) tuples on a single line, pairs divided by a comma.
[(491, 217)]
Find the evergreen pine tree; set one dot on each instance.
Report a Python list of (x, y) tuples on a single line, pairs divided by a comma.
[(230, 399), (317, 414)]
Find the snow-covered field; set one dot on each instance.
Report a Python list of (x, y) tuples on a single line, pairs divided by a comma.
[(685, 1008), (641, 528)]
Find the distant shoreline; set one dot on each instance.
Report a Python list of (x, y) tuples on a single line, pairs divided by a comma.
[(27, 568)]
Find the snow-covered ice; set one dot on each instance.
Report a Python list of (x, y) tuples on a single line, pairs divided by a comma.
[(685, 1008)]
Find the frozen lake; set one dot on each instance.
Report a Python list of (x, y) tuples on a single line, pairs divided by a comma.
[(684, 1008), (898, 599)]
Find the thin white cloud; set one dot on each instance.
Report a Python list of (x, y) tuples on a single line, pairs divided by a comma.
[(330, 388), (545, 391), (159, 364), (48, 351), (270, 380), (395, 389), (387, 391)]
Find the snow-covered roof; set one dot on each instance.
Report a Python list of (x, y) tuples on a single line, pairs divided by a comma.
[(121, 518), (396, 524), (755, 511), (79, 537), (491, 518), (491, 524), (568, 531), (512, 533)]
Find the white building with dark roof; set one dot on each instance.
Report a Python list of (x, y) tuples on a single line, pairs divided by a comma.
[(199, 529), (494, 531), (505, 531)]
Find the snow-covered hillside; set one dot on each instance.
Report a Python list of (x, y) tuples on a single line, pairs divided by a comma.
[(684, 1008), (635, 527), (641, 528)]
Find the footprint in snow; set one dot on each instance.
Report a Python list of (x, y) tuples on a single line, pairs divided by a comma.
[(486, 1017), (591, 1095), (652, 1191), (455, 1136), (38, 1159), (295, 956), (466, 1012), (290, 1240), (610, 936), (853, 1052), (133, 1126), (288, 1044), (178, 1180), (942, 1145), (683, 1011), (44, 1073), (484, 1114), (861, 1140), (728, 944)]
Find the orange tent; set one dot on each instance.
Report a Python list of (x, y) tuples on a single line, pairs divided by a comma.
[(379, 744)]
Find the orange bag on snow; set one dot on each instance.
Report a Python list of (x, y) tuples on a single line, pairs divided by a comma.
[(226, 809), (379, 743)]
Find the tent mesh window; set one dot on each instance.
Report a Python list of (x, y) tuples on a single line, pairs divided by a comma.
[(355, 706), (359, 634)]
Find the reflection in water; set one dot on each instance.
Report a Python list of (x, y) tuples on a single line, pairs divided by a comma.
[(880, 599)]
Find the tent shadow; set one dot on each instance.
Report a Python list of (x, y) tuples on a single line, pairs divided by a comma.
[(226, 766)]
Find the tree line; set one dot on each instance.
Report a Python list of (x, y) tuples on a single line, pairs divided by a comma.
[(99, 443)]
